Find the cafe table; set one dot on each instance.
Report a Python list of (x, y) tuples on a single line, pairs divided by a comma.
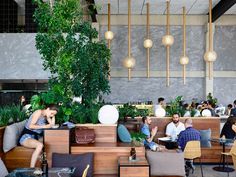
[(36, 172), (222, 167), (168, 142)]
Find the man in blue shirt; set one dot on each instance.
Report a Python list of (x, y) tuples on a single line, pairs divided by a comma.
[(189, 134), (148, 142)]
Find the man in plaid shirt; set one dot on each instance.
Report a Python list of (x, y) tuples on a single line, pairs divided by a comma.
[(189, 134)]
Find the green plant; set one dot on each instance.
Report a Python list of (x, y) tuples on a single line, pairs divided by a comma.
[(79, 65), (137, 138), (175, 106), (10, 114), (211, 99), (127, 110)]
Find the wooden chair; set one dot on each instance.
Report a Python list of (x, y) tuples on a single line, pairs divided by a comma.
[(231, 153), (192, 151), (85, 171)]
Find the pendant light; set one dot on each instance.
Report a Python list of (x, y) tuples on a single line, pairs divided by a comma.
[(109, 34), (210, 56), (129, 61), (167, 41), (148, 42), (184, 59)]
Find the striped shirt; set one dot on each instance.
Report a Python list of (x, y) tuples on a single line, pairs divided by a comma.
[(190, 134)]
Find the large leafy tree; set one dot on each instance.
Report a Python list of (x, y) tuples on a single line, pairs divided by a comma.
[(79, 64)]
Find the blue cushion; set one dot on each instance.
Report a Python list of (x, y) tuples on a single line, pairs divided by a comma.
[(124, 134), (205, 138)]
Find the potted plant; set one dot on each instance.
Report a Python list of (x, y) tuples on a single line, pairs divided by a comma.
[(79, 64), (175, 106)]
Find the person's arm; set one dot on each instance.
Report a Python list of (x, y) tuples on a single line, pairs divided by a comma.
[(36, 115), (51, 120), (153, 133), (168, 130)]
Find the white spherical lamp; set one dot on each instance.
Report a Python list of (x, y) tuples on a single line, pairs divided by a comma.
[(148, 43), (210, 56), (109, 35), (184, 60), (129, 62), (108, 114), (167, 40)]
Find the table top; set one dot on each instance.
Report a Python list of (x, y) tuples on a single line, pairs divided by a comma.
[(222, 140), (140, 161), (52, 172)]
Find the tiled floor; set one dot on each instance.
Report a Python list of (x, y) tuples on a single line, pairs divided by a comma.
[(209, 172)]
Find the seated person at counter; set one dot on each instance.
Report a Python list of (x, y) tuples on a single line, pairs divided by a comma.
[(175, 127), (233, 110), (148, 142), (229, 129)]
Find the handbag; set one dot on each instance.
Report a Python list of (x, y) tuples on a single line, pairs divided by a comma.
[(84, 135)]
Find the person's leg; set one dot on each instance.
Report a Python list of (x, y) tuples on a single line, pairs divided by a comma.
[(32, 143)]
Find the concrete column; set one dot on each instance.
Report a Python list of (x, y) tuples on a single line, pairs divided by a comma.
[(209, 82)]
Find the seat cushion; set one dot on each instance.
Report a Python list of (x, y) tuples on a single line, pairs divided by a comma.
[(3, 169), (79, 161), (205, 138), (161, 162), (123, 134), (11, 135)]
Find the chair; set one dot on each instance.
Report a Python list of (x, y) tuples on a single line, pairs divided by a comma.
[(232, 153), (192, 151), (85, 171)]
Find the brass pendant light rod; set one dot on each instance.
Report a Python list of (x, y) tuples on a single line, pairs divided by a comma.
[(184, 43), (129, 28), (109, 23), (148, 37), (168, 47), (109, 41), (210, 38), (129, 38)]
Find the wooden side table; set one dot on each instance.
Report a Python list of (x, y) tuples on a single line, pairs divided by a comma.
[(137, 168)]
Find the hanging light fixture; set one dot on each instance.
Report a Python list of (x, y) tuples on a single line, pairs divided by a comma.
[(148, 42), (167, 41), (184, 59), (129, 61), (210, 56), (109, 34)]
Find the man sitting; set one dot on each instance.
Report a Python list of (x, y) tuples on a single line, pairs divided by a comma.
[(148, 142), (175, 127), (189, 134)]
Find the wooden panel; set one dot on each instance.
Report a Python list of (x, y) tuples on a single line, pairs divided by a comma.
[(199, 123), (19, 157), (104, 133), (106, 155), (134, 171), (56, 140), (2, 129), (212, 155)]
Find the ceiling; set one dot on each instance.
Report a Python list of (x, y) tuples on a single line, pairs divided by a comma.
[(194, 7)]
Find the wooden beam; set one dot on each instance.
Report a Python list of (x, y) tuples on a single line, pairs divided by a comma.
[(221, 8)]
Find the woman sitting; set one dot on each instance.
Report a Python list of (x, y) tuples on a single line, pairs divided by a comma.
[(33, 130), (229, 128)]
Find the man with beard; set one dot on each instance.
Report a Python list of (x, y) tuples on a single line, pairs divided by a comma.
[(175, 127), (148, 142)]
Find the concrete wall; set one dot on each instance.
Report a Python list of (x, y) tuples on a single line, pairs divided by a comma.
[(19, 59)]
